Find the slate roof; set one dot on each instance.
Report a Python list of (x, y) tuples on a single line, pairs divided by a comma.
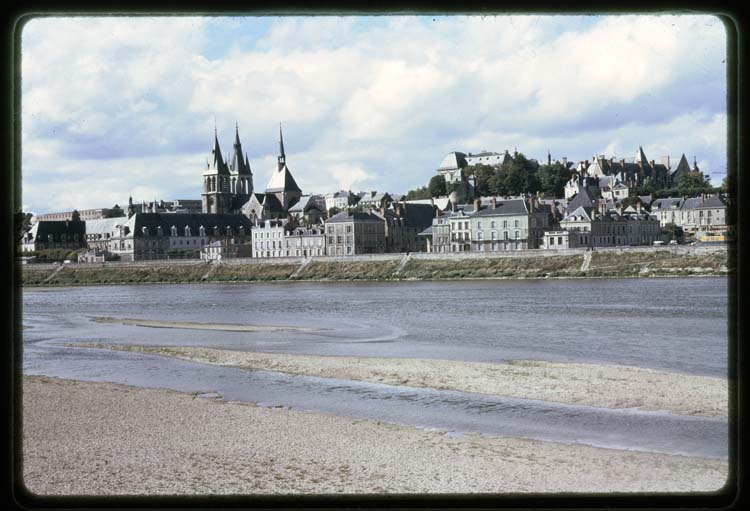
[(43, 228), (584, 198), (453, 161), (505, 207), (578, 212), (417, 215), (713, 202), (272, 204), (426, 232), (354, 216), (669, 203), (152, 221), (104, 225)]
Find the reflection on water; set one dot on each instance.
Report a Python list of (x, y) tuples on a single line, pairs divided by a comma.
[(630, 322)]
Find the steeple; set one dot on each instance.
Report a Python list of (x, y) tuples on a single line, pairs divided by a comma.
[(282, 156), (238, 163), (219, 163)]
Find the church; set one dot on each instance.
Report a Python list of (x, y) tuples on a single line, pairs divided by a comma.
[(228, 185)]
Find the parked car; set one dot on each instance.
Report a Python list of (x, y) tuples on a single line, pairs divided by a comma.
[(658, 242), (673, 242)]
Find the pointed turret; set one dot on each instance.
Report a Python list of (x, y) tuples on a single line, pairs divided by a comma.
[(219, 165), (238, 165)]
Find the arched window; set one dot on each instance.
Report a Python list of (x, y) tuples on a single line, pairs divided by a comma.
[(174, 230), (144, 230), (187, 230), (229, 230)]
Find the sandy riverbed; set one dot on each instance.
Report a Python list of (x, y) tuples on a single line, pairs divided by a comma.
[(227, 327), (83, 438), (607, 386)]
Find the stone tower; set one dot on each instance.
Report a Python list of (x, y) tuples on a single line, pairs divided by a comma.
[(217, 192)]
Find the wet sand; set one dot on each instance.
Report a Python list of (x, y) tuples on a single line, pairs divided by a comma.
[(608, 386), (227, 327), (84, 438)]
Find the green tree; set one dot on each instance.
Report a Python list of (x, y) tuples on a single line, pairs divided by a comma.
[(333, 211), (437, 186), (552, 179), (692, 183), (482, 176), (76, 216)]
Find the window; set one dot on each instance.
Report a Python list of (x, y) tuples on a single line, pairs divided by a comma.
[(505, 223), (479, 225), (505, 235), (479, 235), (492, 224), (516, 224), (518, 235)]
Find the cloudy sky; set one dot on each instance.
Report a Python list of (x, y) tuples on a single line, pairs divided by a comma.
[(113, 107)]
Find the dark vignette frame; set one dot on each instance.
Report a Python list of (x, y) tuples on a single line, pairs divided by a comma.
[(734, 494)]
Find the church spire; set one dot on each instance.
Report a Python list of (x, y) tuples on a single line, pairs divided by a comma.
[(282, 156)]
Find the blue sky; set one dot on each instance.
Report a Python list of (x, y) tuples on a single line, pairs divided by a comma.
[(113, 107)]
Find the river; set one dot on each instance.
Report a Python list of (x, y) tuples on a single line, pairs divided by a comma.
[(677, 325)]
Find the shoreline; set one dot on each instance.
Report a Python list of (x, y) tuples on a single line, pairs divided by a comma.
[(189, 325), (644, 262), (114, 439), (598, 385)]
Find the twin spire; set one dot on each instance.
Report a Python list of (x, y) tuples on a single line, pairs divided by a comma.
[(239, 163)]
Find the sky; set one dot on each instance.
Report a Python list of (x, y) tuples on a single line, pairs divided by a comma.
[(114, 107)]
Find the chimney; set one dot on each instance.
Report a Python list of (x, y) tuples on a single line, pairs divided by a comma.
[(454, 206), (638, 206), (602, 206), (477, 204), (665, 161), (494, 202), (565, 160)]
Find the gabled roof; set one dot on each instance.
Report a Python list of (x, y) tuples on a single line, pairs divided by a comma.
[(272, 204), (577, 215), (584, 198)]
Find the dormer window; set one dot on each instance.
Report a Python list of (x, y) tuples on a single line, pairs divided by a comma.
[(144, 230), (159, 231), (187, 230), (202, 231), (174, 231)]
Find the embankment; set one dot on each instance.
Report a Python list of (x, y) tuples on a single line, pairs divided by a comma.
[(612, 263)]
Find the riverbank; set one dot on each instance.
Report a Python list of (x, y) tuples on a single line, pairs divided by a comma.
[(597, 385), (85, 438), (608, 263)]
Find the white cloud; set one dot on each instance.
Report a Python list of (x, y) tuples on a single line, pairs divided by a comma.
[(366, 102)]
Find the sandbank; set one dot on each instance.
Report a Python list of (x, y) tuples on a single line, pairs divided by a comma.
[(609, 386), (228, 327), (86, 438)]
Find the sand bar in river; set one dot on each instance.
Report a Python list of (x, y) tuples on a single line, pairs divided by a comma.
[(608, 386), (228, 327)]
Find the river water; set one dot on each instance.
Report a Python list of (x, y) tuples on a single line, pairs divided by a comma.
[(677, 325)]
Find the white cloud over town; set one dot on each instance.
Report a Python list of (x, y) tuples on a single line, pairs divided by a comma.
[(113, 107)]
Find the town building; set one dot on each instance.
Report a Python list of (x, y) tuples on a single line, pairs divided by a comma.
[(149, 236), (355, 232), (403, 223), (55, 234), (510, 224)]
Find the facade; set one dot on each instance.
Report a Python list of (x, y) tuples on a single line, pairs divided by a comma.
[(149, 236), (512, 224), (355, 232), (55, 234), (600, 227), (309, 210), (403, 223), (704, 214), (220, 249), (280, 238), (227, 185)]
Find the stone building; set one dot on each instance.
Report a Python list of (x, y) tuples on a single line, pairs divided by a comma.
[(227, 185), (510, 224), (55, 234), (355, 232), (149, 236)]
